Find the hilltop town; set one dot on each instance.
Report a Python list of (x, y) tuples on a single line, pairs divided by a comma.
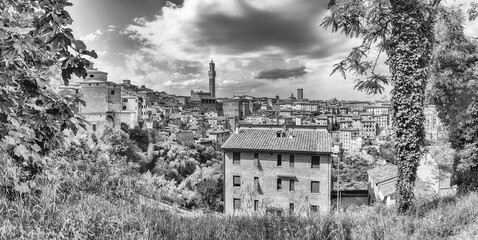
[(120, 152), (341, 135)]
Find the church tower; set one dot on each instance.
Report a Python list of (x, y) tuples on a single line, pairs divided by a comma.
[(212, 78)]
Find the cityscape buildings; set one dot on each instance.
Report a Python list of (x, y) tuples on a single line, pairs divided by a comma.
[(277, 152)]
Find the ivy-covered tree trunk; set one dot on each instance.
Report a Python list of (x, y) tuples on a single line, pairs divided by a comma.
[(411, 44)]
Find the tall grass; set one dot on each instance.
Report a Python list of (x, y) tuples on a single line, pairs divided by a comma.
[(94, 216)]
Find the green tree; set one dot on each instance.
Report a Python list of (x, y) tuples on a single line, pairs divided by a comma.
[(404, 30), (35, 46)]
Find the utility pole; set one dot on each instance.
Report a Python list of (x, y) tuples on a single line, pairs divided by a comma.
[(341, 153)]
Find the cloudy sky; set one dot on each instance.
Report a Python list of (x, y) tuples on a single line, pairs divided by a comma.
[(261, 47)]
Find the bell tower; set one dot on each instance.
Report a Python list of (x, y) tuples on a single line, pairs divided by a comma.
[(212, 78)]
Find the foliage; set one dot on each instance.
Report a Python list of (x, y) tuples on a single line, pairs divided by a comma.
[(35, 44), (466, 166), (353, 172), (140, 137), (98, 217), (453, 88), (403, 29), (387, 152)]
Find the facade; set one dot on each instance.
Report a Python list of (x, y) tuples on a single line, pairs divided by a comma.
[(350, 140), (203, 100), (356, 105), (103, 102), (377, 109), (300, 94), (368, 128), (434, 128), (277, 170), (236, 108), (219, 137), (130, 109)]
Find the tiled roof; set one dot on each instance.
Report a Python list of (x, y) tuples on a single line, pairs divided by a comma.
[(388, 188), (295, 140), (383, 173)]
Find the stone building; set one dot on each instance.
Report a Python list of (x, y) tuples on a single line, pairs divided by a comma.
[(300, 94), (103, 103), (276, 169), (236, 108), (203, 100)]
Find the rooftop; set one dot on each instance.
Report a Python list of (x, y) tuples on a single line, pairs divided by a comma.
[(383, 173), (389, 188), (295, 140)]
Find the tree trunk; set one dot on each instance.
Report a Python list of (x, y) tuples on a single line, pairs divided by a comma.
[(409, 54)]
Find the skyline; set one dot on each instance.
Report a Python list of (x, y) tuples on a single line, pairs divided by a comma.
[(261, 48)]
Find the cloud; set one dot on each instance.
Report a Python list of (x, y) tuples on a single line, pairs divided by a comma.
[(250, 40), (112, 28), (92, 36), (280, 73), (202, 28)]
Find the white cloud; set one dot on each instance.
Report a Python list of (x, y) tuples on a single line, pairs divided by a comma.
[(92, 36)]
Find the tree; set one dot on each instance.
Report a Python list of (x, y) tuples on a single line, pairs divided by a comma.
[(453, 89), (466, 165), (35, 46), (404, 30)]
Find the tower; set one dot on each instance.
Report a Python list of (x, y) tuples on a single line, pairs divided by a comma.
[(300, 94), (212, 78)]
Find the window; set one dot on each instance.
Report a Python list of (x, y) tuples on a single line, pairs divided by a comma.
[(291, 161), (236, 158), (279, 184), (256, 183), (315, 162), (124, 107), (291, 185), (291, 207), (94, 127), (256, 159), (256, 205), (279, 160), (315, 187), (112, 92), (314, 208), (236, 203), (236, 181)]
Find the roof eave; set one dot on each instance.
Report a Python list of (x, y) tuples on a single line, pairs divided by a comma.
[(275, 150)]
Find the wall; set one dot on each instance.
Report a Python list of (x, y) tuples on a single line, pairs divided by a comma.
[(268, 172), (95, 97)]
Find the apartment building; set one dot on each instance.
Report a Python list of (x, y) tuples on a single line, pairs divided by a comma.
[(276, 169)]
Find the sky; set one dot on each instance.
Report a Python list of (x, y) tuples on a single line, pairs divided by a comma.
[(261, 48)]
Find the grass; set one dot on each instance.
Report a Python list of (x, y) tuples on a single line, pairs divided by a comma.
[(93, 216)]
